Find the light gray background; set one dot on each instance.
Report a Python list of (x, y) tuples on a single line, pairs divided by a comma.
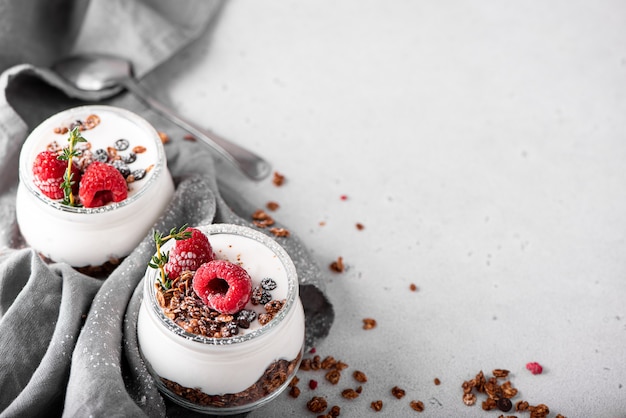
[(483, 147)]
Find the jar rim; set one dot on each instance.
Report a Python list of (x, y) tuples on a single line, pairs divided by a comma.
[(150, 278), (26, 174)]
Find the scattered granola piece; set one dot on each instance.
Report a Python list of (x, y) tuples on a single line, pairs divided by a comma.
[(165, 138), (328, 362), (360, 226), (278, 179), (317, 404), (359, 376), (261, 219), (539, 411), (337, 266), (340, 365), (335, 411), (377, 405), (489, 404), (271, 205), (349, 394), (498, 373), (398, 392), (417, 406), (279, 232), (437, 381), (469, 399), (189, 137), (369, 323), (333, 376), (413, 287), (294, 392)]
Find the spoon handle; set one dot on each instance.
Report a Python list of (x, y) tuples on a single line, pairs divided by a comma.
[(249, 163)]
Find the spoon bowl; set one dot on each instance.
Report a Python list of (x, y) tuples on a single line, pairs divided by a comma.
[(107, 75)]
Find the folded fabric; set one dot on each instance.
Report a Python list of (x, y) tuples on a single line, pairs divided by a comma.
[(67, 341)]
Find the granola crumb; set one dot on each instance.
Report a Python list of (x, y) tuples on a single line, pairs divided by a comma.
[(369, 323), (413, 287), (437, 381), (271, 205), (469, 399), (280, 232), (189, 137), (359, 376), (278, 179), (349, 393), (333, 376), (417, 406), (338, 266), (377, 405), (165, 138), (335, 411), (398, 392), (261, 219), (317, 404), (294, 392), (360, 226)]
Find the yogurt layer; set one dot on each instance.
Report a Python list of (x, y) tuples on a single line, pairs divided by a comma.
[(227, 365), (92, 236)]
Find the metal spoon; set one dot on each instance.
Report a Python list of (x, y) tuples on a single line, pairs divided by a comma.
[(106, 73)]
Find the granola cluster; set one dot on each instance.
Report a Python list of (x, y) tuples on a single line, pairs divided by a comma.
[(499, 395), (274, 377), (183, 306), (333, 371), (262, 219)]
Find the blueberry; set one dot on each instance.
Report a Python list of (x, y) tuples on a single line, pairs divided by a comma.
[(230, 329), (268, 284), (101, 155), (504, 404), (122, 168), (129, 158), (260, 296), (122, 144), (245, 317), (139, 174)]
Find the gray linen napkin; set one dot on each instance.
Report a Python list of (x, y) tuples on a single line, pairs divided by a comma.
[(67, 341)]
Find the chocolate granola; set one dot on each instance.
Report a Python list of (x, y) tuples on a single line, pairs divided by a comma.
[(273, 378)]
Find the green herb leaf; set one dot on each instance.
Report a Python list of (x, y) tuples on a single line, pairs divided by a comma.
[(68, 155)]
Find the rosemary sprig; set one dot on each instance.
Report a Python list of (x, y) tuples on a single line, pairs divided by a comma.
[(159, 260), (68, 155)]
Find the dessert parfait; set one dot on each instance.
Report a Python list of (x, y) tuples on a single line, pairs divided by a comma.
[(221, 325), (93, 180)]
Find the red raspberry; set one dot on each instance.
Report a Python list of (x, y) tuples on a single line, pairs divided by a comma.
[(101, 183), (223, 286), (189, 254), (534, 367), (48, 173)]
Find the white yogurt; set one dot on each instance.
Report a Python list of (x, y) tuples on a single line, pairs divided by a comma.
[(219, 366), (92, 236)]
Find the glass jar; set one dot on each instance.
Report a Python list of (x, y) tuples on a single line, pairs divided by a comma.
[(227, 375), (83, 236)]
